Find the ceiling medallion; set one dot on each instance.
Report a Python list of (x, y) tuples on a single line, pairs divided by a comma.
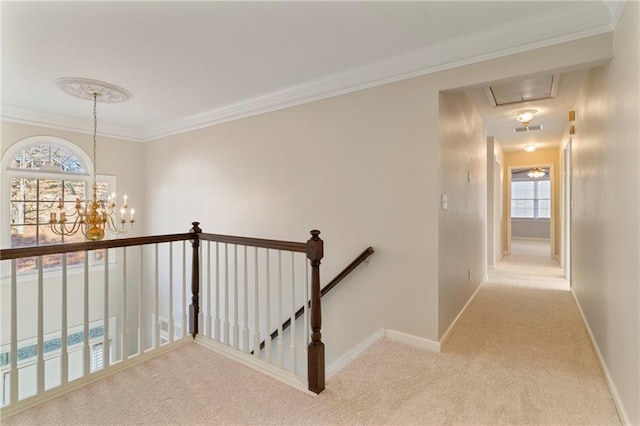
[(84, 88)]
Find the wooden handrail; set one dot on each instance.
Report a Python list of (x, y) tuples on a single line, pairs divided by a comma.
[(45, 250), (256, 242), (334, 282), (16, 253)]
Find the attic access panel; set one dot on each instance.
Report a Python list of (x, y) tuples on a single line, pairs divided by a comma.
[(528, 89)]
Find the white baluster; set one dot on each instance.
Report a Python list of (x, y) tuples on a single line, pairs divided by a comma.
[(14, 333), (245, 293), (256, 306), (306, 323), (171, 325), (217, 321), (156, 301), (226, 294), (280, 331), (85, 325), (140, 304), (64, 326), (40, 336), (185, 302), (106, 360), (292, 315), (201, 295), (267, 339), (236, 337), (207, 329), (125, 313)]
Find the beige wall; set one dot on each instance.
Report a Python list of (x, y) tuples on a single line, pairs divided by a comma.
[(462, 230), (361, 167), (550, 156), (606, 214)]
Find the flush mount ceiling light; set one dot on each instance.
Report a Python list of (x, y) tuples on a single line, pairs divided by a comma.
[(529, 148), (536, 173), (525, 116), (92, 217)]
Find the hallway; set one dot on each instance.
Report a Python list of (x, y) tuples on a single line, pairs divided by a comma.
[(518, 355), (530, 265)]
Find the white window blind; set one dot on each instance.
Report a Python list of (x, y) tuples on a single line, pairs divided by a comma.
[(97, 357), (531, 199)]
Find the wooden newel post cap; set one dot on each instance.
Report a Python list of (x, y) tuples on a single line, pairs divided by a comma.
[(196, 229), (315, 246)]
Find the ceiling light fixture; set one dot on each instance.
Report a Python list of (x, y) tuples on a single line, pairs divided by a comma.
[(536, 173), (525, 116), (95, 216), (529, 148)]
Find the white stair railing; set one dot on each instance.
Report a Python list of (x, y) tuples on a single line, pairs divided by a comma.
[(249, 288), (66, 325)]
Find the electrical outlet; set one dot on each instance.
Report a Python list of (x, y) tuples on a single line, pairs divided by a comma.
[(445, 202), (468, 274)]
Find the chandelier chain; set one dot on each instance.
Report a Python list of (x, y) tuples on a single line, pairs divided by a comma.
[(95, 145)]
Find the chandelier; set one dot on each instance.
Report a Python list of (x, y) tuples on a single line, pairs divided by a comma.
[(95, 216), (536, 173)]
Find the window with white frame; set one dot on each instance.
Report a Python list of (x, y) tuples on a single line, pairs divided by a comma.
[(41, 172), (531, 199)]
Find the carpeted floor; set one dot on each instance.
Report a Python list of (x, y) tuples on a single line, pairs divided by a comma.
[(519, 355)]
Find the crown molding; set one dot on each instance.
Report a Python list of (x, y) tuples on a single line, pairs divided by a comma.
[(565, 24), (615, 7), (63, 122)]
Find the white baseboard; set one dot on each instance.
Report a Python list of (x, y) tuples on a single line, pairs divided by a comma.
[(412, 340), (354, 353), (447, 334), (547, 240), (612, 387), (297, 382), (93, 377)]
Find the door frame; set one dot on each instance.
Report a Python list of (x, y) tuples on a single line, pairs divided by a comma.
[(552, 231)]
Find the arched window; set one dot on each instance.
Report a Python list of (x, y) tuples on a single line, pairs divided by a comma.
[(38, 173)]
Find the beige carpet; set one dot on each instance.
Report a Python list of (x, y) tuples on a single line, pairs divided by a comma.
[(530, 265), (519, 355)]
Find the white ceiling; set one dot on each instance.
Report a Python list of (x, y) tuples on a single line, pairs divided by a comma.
[(552, 114), (193, 64)]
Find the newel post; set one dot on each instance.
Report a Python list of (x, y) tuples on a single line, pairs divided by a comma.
[(194, 308), (315, 352)]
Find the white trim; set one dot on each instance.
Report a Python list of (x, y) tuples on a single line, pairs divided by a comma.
[(21, 144), (83, 381), (63, 122), (249, 361), (354, 353), (612, 387), (562, 24), (615, 7), (546, 240), (447, 334), (410, 339)]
